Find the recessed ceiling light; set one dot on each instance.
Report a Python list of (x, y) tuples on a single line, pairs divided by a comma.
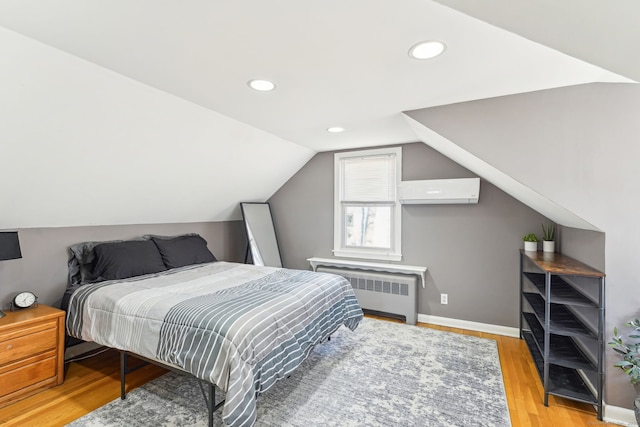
[(261, 85), (335, 129), (427, 50)]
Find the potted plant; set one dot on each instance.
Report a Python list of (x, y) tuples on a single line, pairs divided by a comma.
[(530, 242), (630, 362), (548, 245)]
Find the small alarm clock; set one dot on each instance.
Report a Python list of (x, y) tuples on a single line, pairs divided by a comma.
[(24, 300)]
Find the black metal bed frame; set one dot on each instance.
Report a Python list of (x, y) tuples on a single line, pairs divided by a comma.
[(209, 397)]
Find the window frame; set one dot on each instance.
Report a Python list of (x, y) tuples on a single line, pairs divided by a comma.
[(339, 245)]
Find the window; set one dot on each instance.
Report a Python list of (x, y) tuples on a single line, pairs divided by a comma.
[(367, 212)]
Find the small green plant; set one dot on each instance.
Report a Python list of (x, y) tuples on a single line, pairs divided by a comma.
[(548, 232), (530, 238), (630, 362)]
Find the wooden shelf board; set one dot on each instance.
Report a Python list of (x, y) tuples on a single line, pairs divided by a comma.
[(556, 263)]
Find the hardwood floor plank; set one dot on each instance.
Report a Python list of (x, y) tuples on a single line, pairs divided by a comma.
[(95, 381)]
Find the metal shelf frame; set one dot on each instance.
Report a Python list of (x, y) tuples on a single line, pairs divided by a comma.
[(549, 327)]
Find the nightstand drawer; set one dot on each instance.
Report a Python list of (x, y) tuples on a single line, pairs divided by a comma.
[(28, 375), (21, 330), (28, 345)]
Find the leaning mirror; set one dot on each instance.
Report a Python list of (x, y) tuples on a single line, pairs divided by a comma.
[(261, 234)]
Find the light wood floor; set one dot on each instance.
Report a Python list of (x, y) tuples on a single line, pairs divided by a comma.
[(92, 382)]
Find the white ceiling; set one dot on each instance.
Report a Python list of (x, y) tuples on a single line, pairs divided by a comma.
[(111, 108), (335, 62), (599, 32)]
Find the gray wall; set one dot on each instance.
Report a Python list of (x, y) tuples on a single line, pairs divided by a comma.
[(583, 145), (588, 247), (43, 266), (584, 245), (471, 251)]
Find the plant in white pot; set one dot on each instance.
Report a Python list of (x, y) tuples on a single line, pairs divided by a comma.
[(548, 232), (630, 362), (530, 242)]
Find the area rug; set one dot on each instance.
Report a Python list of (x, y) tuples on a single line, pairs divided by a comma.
[(383, 374)]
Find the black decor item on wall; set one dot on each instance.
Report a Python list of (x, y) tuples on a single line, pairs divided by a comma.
[(262, 243), (9, 248)]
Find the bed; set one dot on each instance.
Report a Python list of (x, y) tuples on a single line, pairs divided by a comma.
[(238, 326)]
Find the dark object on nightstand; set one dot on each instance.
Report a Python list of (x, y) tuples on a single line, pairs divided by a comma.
[(9, 248)]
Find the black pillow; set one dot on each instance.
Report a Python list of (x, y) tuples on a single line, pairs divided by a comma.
[(82, 262), (183, 250), (120, 260)]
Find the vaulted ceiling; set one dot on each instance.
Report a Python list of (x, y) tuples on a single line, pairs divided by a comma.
[(111, 108)]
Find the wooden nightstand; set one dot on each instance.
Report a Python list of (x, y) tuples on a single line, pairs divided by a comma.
[(31, 352)]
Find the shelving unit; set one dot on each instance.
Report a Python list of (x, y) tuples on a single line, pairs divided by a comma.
[(562, 322)]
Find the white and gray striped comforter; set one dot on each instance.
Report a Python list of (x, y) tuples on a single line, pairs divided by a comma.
[(239, 326)]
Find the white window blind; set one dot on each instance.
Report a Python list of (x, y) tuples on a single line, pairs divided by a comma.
[(367, 214), (369, 179)]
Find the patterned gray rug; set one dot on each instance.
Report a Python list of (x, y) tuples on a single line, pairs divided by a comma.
[(383, 374)]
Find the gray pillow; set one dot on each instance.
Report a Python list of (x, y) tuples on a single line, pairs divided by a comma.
[(183, 250)]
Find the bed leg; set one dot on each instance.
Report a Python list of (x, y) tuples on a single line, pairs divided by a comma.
[(123, 370), (212, 403), (210, 399)]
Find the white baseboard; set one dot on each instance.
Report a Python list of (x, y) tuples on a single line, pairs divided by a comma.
[(472, 326), (617, 415)]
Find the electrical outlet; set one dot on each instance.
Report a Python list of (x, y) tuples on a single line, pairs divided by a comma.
[(444, 299)]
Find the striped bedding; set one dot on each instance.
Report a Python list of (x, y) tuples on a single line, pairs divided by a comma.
[(239, 326)]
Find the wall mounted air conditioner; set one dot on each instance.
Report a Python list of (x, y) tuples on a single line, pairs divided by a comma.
[(439, 191)]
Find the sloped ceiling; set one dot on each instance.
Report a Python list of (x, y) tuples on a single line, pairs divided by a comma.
[(139, 112), (591, 30), (507, 183), (601, 33), (82, 145)]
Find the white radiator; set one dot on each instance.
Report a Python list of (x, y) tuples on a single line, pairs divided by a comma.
[(383, 292)]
